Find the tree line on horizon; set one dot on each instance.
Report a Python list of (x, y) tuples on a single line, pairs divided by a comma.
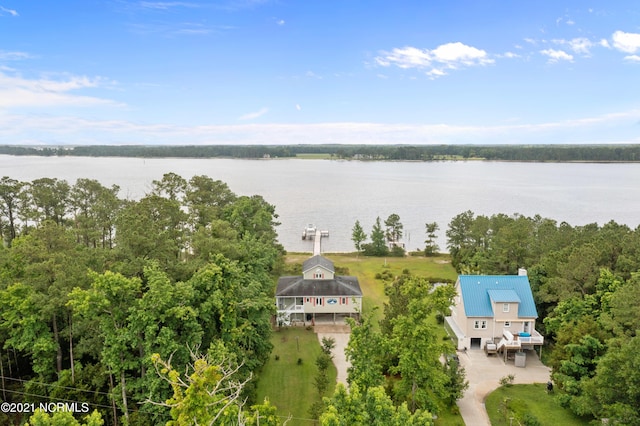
[(530, 153)]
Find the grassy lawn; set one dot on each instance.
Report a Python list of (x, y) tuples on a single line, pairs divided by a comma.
[(319, 156), (287, 384), (531, 399)]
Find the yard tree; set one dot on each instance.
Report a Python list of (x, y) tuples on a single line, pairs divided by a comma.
[(22, 321), (10, 190), (459, 239), (206, 198), (109, 301), (417, 347), (211, 393), (93, 207), (358, 236), (614, 391), (371, 407), (394, 227), (431, 247), (365, 353), (52, 264), (50, 199), (153, 228), (378, 246), (41, 418), (171, 186), (624, 303)]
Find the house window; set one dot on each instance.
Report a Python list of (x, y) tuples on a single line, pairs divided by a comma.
[(319, 301), (505, 307), (507, 323), (480, 324), (308, 299), (318, 274), (344, 300)]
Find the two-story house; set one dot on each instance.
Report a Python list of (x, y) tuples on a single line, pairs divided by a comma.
[(494, 308), (318, 294)]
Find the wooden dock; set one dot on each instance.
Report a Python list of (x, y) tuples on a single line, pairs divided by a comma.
[(316, 243)]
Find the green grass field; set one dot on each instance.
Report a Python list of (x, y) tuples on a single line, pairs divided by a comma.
[(289, 385), (531, 399), (319, 156)]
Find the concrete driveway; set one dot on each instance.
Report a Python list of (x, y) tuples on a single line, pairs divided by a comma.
[(340, 333), (484, 373)]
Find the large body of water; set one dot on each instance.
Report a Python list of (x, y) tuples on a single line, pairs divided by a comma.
[(334, 194)]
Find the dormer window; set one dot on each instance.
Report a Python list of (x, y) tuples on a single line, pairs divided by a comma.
[(505, 307), (318, 274)]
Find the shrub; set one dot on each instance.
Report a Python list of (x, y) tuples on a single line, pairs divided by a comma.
[(277, 357), (299, 361), (507, 380), (530, 420)]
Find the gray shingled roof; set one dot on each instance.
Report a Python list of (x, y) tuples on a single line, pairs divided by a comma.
[(317, 260), (296, 286)]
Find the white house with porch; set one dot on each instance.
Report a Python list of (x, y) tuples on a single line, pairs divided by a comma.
[(317, 295), (498, 310)]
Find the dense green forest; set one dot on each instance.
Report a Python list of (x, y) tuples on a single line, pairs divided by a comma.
[(540, 153), (93, 287)]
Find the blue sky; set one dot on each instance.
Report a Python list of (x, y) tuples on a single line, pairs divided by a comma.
[(305, 71)]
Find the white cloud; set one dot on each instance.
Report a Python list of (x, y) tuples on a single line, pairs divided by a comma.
[(406, 57), (446, 56), (580, 45), (13, 56), (16, 91), (626, 42), (280, 22), (510, 55), (298, 107), (254, 115), (632, 58), (557, 55), (454, 53), (160, 5), (4, 10), (435, 73), (607, 128)]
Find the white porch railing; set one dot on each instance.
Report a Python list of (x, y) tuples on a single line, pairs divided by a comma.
[(291, 308), (534, 339)]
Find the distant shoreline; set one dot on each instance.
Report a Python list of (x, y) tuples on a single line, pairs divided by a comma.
[(629, 153)]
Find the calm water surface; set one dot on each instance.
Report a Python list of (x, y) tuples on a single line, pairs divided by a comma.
[(333, 194)]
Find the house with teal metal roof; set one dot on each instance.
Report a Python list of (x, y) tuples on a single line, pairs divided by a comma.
[(494, 308)]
